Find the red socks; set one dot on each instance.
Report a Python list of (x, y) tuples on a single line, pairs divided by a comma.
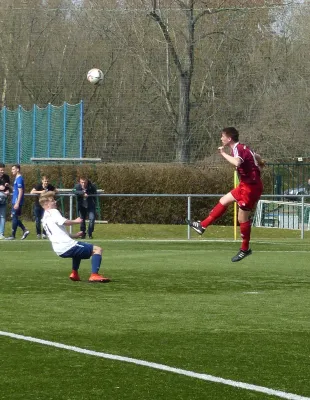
[(245, 227), (245, 230), (215, 213)]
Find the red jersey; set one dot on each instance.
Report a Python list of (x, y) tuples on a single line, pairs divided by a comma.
[(248, 171)]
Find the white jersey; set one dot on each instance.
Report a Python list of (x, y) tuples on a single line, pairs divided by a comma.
[(53, 223)]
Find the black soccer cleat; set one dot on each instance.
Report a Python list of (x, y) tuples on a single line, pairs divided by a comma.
[(196, 225), (26, 233), (241, 255)]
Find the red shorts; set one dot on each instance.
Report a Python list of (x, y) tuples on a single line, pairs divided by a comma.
[(247, 195)]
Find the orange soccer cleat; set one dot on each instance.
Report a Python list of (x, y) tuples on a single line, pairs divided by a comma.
[(74, 276), (98, 278)]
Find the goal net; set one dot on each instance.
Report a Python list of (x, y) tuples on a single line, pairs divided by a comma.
[(282, 214)]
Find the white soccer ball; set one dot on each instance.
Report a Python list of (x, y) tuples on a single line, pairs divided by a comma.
[(95, 76)]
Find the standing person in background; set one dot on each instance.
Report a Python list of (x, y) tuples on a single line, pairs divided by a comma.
[(4, 192), (38, 189), (17, 203), (246, 194), (64, 245), (85, 192)]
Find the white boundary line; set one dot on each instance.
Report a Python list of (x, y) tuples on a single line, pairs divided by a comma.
[(295, 242), (162, 367)]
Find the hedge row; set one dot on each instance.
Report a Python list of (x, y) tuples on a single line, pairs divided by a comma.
[(142, 178)]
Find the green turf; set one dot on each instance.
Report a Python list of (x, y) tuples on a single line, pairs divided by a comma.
[(178, 303), (162, 232)]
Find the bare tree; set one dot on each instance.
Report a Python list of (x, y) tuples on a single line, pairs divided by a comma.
[(184, 59), (175, 72)]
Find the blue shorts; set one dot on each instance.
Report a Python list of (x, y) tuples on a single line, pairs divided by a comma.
[(81, 250)]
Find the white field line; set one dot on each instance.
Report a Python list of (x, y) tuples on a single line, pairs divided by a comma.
[(162, 367), (205, 250), (199, 240)]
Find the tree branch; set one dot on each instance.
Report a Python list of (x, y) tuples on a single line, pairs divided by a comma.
[(164, 29)]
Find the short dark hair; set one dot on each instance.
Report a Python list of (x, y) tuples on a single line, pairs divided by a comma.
[(2, 165), (16, 166), (232, 133)]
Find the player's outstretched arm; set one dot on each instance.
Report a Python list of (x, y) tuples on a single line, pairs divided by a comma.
[(76, 235), (70, 222)]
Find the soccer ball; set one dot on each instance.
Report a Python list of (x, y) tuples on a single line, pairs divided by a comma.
[(95, 76)]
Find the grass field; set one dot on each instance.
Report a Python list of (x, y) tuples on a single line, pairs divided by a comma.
[(171, 302)]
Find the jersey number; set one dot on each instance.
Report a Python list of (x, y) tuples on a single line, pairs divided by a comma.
[(47, 229)]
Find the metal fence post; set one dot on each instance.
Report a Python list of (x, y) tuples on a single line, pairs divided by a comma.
[(188, 216), (70, 210), (302, 217), (3, 112), (64, 133), (81, 127), (49, 134), (19, 135), (34, 129)]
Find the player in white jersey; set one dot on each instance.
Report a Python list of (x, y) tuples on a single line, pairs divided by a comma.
[(64, 244)]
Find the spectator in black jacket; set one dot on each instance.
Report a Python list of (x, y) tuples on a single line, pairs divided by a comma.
[(4, 191), (85, 191)]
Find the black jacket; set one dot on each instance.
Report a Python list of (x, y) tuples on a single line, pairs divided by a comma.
[(3, 180), (39, 187), (91, 200)]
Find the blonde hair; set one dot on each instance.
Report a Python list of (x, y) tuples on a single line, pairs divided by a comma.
[(46, 197)]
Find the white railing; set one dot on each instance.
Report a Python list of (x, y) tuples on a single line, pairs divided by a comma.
[(70, 193)]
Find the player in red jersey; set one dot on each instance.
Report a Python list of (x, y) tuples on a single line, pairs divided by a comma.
[(246, 194)]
